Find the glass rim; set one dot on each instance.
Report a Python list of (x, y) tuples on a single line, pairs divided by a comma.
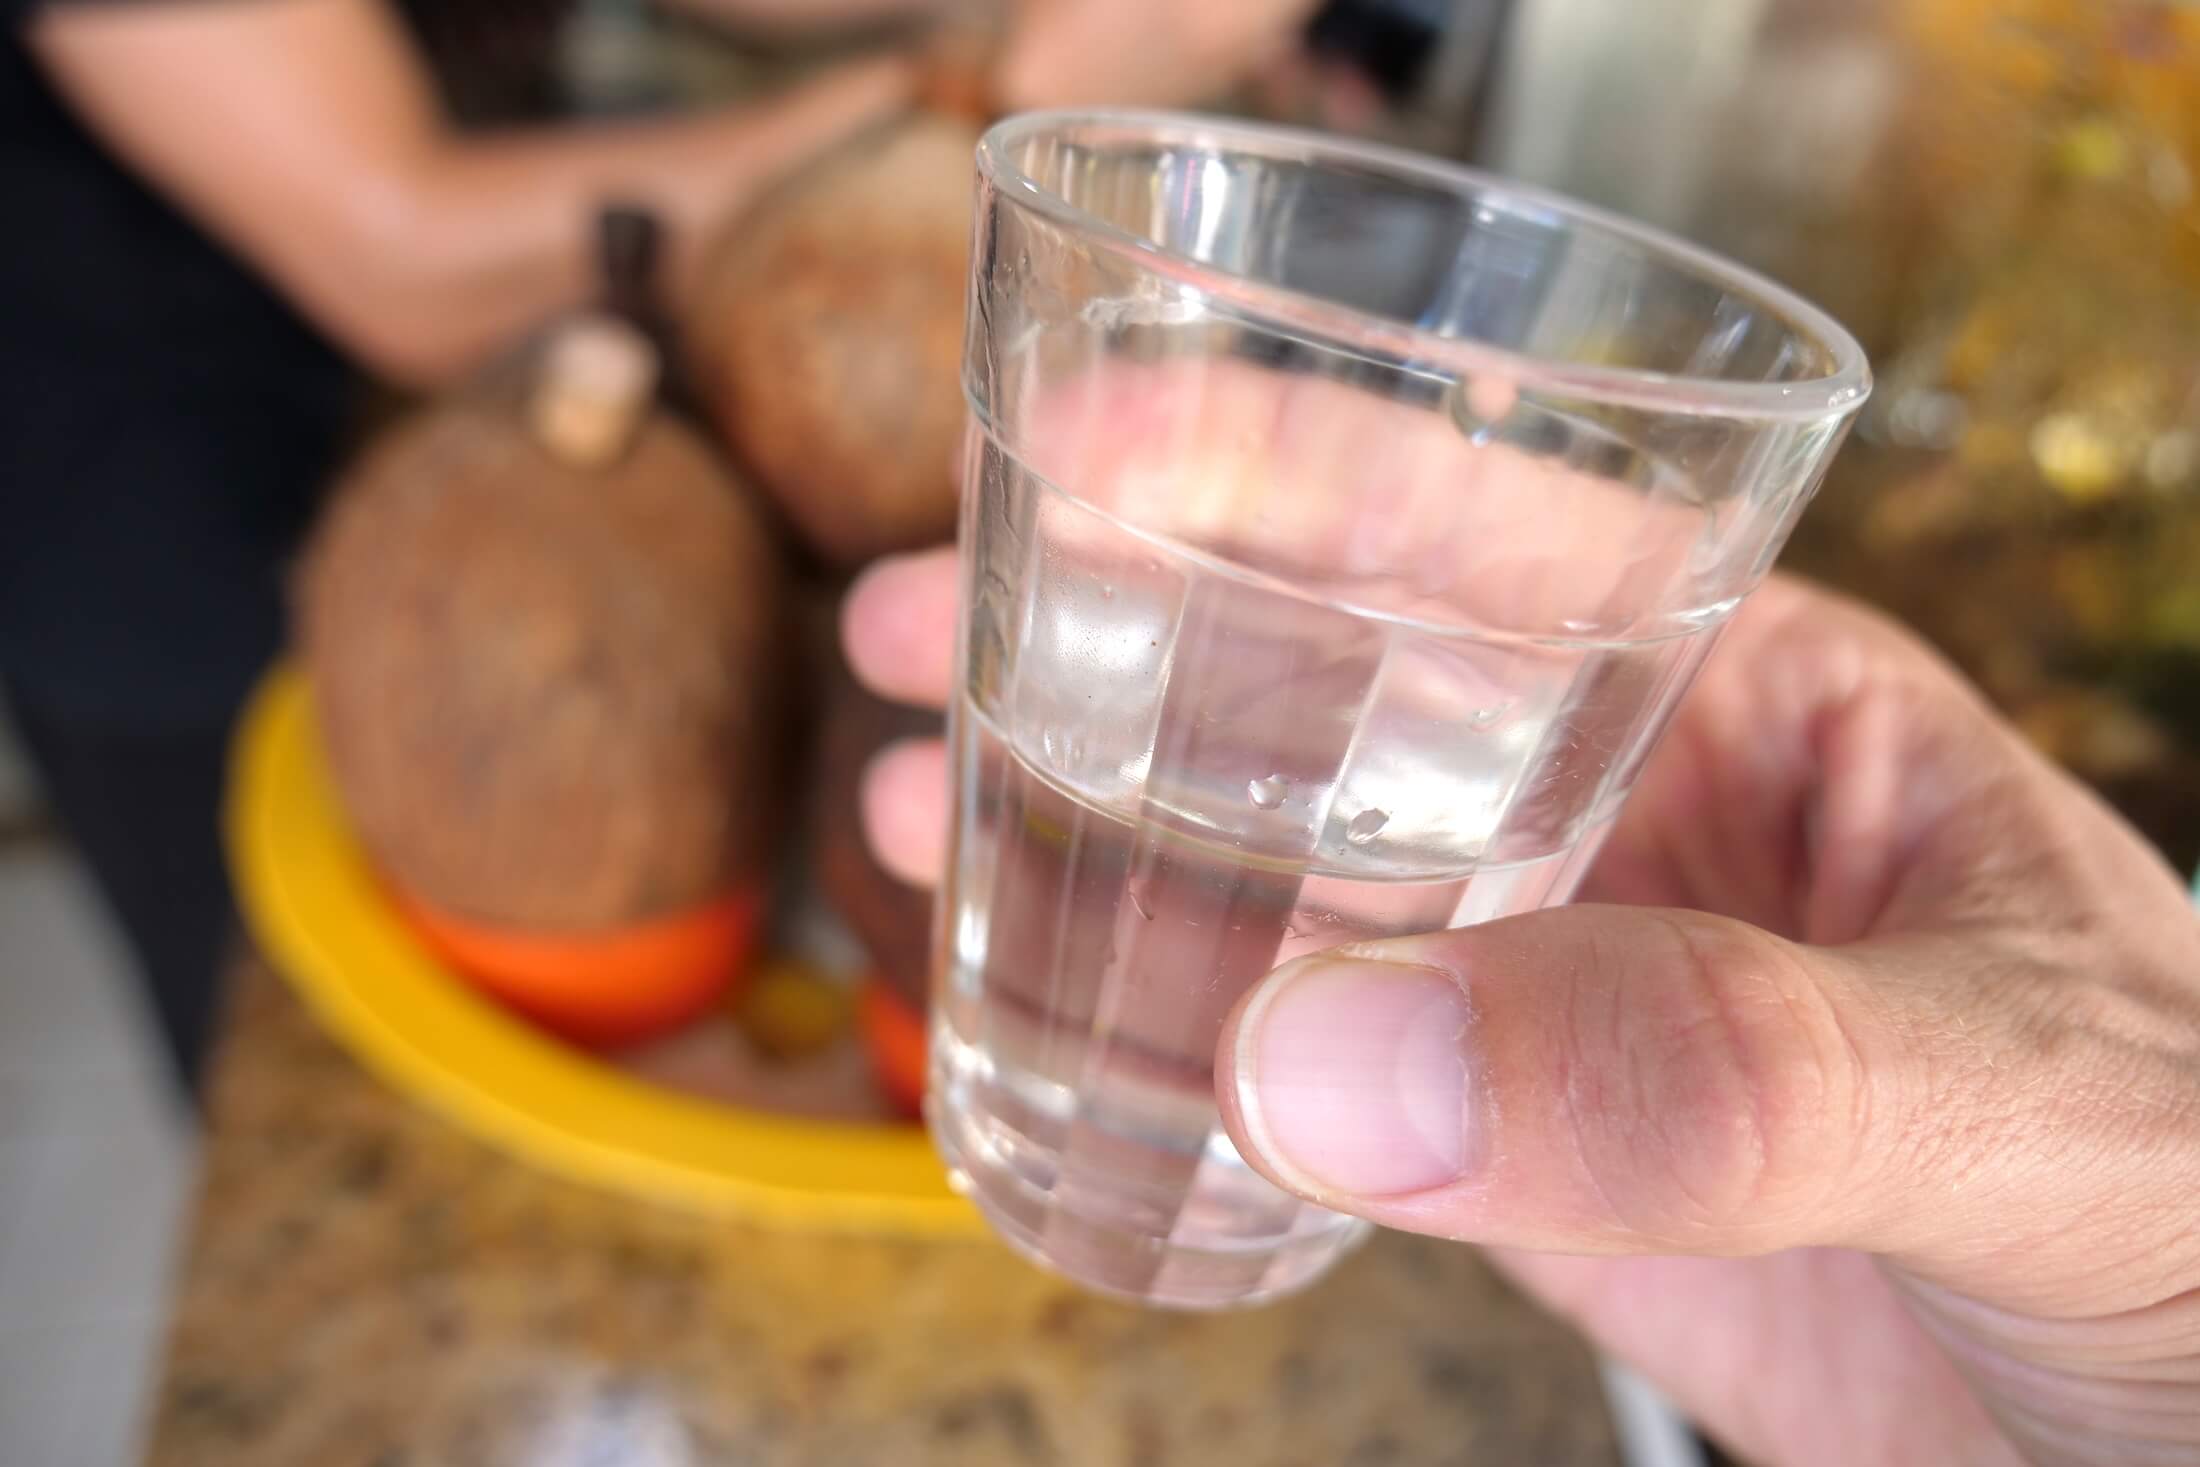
[(1831, 394)]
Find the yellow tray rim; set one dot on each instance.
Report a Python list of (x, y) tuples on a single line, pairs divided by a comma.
[(312, 904)]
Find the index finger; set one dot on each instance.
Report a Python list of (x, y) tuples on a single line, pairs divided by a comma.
[(898, 626)]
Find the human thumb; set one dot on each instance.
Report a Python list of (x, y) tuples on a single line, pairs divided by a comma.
[(1590, 1079)]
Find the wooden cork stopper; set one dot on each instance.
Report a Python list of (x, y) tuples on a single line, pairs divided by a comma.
[(597, 379)]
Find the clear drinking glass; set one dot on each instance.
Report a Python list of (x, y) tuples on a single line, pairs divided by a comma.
[(1340, 530)]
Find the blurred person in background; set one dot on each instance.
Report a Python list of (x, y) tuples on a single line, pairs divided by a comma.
[(219, 211), (222, 212)]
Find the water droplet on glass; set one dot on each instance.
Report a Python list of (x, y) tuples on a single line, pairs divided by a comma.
[(1366, 825), (1077, 751), (1140, 903), (1266, 794), (1479, 404), (1050, 744), (1488, 717), (1107, 593)]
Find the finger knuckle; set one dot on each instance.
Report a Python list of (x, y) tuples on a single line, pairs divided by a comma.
[(1737, 1089)]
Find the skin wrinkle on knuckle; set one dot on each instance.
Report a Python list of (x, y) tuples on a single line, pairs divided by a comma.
[(1716, 1123), (1716, 1153), (1770, 1152), (1590, 1077), (1863, 1081), (1644, 1167), (1850, 1091)]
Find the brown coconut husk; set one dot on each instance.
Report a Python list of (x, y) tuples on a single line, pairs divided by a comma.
[(542, 647), (828, 330)]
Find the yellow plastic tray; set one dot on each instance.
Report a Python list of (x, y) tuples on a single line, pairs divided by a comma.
[(316, 911)]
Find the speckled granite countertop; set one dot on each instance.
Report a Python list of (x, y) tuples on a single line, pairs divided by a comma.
[(367, 1287)]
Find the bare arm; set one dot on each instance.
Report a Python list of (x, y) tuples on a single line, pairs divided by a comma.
[(304, 134), (1062, 53), (1140, 52), (808, 17)]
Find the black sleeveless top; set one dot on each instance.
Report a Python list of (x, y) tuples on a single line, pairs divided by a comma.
[(166, 420)]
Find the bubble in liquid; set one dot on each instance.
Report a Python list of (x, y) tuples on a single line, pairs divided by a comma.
[(1488, 717), (1266, 794), (1107, 593), (1366, 825)]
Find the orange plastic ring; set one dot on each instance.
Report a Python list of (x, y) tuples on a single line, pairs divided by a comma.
[(893, 1035), (609, 988)]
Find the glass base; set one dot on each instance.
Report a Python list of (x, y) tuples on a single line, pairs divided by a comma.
[(1184, 1268)]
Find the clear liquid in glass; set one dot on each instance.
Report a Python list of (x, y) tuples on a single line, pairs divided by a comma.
[(1172, 777)]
